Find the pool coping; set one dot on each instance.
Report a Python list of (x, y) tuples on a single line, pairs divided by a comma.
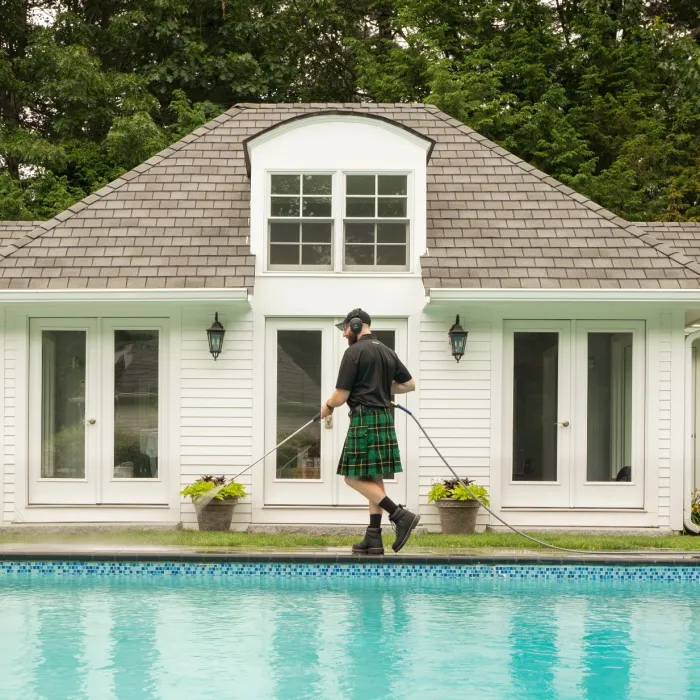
[(16, 552)]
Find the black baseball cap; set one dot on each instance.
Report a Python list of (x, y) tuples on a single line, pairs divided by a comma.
[(355, 313)]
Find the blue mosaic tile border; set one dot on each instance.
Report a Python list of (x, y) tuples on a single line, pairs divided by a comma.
[(524, 572)]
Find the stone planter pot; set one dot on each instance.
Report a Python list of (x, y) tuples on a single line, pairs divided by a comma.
[(457, 517), (216, 515)]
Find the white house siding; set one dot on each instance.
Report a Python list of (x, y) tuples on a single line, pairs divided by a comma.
[(216, 431), (455, 407), (9, 383)]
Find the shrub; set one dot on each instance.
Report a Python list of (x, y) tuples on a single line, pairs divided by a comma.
[(231, 489), (457, 489)]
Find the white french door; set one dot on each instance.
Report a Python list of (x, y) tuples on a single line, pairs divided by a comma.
[(574, 414), (302, 358), (96, 397)]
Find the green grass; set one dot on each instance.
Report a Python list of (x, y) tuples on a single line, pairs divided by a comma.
[(238, 540)]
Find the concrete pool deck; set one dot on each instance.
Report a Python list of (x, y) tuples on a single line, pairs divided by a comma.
[(114, 552)]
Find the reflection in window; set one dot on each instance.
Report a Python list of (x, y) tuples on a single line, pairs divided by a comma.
[(63, 356), (136, 404), (298, 397), (535, 405), (609, 407)]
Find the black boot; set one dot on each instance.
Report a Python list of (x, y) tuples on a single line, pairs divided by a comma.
[(404, 523), (371, 544)]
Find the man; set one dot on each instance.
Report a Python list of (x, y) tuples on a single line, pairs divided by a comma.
[(370, 373)]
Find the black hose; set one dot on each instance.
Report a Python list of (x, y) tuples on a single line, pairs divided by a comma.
[(498, 517)]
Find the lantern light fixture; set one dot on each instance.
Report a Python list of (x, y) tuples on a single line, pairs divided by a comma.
[(458, 339), (215, 336)]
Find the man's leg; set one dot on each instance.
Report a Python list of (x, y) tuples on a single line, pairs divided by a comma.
[(373, 491)]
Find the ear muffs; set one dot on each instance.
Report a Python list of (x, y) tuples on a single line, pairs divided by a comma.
[(355, 325)]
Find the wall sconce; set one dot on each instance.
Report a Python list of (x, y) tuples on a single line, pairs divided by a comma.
[(458, 339), (215, 336)]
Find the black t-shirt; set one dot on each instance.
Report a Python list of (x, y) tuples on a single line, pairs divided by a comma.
[(367, 370)]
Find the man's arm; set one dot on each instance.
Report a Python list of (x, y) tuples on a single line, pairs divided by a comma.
[(337, 399), (404, 388)]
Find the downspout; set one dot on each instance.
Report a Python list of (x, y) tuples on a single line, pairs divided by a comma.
[(690, 427)]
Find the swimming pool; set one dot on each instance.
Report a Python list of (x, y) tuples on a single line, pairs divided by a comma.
[(283, 633)]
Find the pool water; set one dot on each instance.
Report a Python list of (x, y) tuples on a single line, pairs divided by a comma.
[(290, 638)]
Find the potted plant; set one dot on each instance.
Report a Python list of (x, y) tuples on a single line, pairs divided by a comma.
[(215, 514), (457, 507)]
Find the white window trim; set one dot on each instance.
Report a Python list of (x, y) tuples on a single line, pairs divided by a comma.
[(338, 226)]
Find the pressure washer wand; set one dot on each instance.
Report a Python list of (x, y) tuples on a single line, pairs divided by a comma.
[(211, 494), (279, 444)]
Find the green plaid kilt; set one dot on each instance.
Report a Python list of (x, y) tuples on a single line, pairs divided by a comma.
[(370, 446)]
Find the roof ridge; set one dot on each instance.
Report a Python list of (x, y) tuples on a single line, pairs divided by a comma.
[(115, 185), (660, 246)]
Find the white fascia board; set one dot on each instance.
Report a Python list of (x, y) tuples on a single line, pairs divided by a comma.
[(126, 295), (685, 296)]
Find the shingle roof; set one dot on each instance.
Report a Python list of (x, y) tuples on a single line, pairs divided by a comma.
[(12, 230), (181, 219), (684, 236)]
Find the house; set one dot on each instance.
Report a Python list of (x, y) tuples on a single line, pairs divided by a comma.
[(574, 403)]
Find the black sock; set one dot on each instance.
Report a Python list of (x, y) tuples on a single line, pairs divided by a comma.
[(375, 520), (388, 505)]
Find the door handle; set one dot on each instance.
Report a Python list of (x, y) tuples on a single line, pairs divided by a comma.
[(563, 423), (329, 421), (91, 421)]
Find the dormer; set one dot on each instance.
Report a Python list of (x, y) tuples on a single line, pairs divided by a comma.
[(336, 193)]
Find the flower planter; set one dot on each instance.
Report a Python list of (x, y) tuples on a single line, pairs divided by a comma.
[(216, 515), (457, 517)]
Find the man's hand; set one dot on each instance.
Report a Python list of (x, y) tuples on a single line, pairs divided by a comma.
[(338, 398)]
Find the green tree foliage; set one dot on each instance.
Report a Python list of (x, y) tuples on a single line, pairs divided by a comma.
[(602, 94)]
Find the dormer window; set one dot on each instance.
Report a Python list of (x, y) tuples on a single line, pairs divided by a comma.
[(364, 227), (376, 223), (301, 222)]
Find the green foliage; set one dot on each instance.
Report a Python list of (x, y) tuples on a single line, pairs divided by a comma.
[(459, 490), (603, 96), (695, 507), (231, 489)]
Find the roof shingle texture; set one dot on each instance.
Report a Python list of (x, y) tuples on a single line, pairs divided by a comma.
[(684, 236), (181, 219)]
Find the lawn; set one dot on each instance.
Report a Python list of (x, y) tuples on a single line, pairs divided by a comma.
[(240, 540)]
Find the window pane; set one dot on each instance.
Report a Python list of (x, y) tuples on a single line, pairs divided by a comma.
[(315, 255), (284, 232), (609, 407), (392, 184), (299, 355), (316, 233), (317, 206), (281, 254), (317, 184), (391, 233), (388, 206), (360, 206), (285, 184), (359, 255), (135, 404), (63, 404), (359, 233), (391, 255), (535, 404), (360, 184), (285, 206)]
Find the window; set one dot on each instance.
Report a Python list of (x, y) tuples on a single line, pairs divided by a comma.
[(300, 222), (376, 222), (364, 226)]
